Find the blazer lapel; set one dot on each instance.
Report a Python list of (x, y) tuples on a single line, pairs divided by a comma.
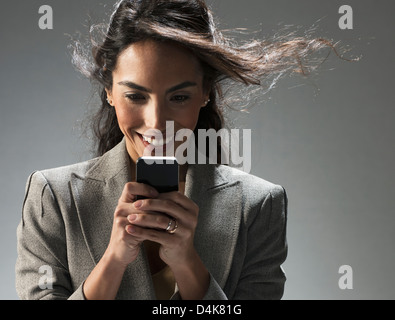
[(96, 196), (219, 219)]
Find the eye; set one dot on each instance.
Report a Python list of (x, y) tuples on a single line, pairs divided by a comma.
[(135, 97), (179, 98)]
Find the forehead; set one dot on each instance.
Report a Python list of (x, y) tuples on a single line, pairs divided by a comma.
[(151, 60)]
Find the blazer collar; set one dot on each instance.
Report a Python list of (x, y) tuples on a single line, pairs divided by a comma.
[(116, 164), (96, 196), (220, 212)]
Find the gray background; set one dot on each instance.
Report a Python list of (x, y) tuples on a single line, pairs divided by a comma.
[(327, 139)]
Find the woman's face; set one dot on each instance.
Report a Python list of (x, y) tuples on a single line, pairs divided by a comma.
[(153, 83)]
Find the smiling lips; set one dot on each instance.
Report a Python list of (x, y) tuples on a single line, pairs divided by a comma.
[(156, 142)]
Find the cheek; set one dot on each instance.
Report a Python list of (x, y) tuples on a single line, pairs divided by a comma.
[(189, 119), (126, 118)]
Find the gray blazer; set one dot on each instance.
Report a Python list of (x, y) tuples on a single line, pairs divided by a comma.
[(67, 221)]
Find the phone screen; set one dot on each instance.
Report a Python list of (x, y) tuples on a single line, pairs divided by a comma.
[(158, 172)]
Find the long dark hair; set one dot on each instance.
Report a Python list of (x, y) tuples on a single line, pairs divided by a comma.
[(191, 24)]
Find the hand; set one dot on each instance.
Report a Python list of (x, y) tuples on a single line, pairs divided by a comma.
[(176, 249), (152, 219), (104, 280), (124, 247)]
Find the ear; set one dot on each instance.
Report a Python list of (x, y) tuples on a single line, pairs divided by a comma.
[(109, 97), (206, 100), (207, 87)]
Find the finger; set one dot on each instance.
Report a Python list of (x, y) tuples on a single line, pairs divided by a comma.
[(179, 198), (150, 220), (161, 237), (168, 207), (122, 223), (133, 189), (123, 210), (132, 241)]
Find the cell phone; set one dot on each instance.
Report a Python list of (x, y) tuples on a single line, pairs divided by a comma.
[(158, 172)]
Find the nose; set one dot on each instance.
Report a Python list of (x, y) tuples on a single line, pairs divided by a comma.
[(155, 115)]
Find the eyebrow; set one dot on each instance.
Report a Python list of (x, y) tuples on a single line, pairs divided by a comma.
[(180, 86)]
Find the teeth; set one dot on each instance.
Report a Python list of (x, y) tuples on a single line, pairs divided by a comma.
[(157, 142)]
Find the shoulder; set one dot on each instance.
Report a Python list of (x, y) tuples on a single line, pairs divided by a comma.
[(250, 183), (56, 178), (265, 204), (102, 168), (49, 191), (257, 194), (63, 173)]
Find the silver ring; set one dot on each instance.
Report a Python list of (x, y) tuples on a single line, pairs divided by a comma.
[(169, 228)]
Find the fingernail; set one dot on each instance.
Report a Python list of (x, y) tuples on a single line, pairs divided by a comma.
[(132, 217), (138, 204), (131, 229), (154, 193)]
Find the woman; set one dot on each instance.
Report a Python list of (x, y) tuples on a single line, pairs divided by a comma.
[(160, 61)]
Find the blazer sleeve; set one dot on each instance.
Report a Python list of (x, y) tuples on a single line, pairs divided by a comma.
[(41, 267), (262, 277)]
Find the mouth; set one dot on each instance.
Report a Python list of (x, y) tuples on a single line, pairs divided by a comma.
[(153, 141)]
